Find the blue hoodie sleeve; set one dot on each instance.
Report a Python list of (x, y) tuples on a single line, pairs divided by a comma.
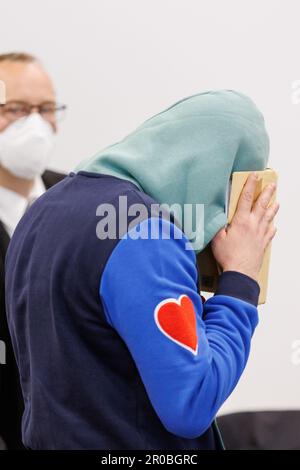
[(189, 356)]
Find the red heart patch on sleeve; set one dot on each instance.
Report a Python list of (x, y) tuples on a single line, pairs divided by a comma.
[(176, 319)]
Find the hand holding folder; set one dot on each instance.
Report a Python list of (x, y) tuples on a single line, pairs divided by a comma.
[(208, 266)]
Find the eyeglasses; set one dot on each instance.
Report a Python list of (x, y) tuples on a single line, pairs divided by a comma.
[(50, 111)]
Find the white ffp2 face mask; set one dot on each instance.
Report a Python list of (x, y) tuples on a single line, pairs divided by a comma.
[(25, 146)]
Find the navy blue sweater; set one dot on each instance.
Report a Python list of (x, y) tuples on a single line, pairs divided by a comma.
[(114, 346)]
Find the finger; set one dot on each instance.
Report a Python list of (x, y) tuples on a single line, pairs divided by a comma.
[(261, 204), (271, 212), (246, 198), (269, 236)]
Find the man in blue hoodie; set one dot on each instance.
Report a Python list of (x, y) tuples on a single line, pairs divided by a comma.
[(115, 348)]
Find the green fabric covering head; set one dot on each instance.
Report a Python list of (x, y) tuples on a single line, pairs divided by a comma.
[(186, 154)]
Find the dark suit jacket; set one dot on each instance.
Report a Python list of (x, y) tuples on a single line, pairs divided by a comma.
[(11, 402)]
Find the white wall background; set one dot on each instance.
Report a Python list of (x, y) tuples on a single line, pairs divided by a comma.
[(117, 62)]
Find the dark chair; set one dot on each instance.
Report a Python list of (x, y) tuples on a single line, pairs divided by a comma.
[(268, 430)]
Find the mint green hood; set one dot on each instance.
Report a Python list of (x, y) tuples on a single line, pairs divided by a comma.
[(186, 153)]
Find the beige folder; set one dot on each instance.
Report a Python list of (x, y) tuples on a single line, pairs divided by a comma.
[(208, 267)]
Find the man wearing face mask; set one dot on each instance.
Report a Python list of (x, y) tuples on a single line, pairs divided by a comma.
[(28, 123)]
